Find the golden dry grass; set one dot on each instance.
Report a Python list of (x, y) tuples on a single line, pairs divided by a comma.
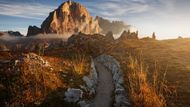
[(170, 54), (144, 93), (33, 83)]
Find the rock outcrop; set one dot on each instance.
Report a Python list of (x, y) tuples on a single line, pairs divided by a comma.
[(33, 30), (69, 18), (34, 58), (129, 35)]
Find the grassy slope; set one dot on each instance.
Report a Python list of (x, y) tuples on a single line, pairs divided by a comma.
[(171, 54)]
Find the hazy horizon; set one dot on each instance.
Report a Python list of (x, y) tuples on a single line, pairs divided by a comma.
[(168, 18)]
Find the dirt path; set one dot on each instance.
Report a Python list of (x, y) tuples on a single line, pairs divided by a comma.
[(105, 87)]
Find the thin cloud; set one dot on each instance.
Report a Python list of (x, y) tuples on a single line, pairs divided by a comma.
[(117, 8), (31, 11)]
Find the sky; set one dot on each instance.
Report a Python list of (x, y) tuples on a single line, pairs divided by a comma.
[(167, 18)]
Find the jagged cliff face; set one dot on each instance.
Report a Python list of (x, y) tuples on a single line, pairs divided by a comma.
[(70, 17)]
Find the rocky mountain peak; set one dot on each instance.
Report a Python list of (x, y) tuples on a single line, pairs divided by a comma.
[(70, 17)]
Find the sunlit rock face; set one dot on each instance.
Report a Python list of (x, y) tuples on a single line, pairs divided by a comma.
[(70, 17)]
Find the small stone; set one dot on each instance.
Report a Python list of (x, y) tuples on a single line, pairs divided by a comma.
[(73, 95)]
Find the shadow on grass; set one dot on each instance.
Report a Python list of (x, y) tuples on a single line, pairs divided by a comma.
[(56, 99)]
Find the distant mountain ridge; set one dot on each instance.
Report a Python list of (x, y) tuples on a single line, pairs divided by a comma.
[(114, 26)]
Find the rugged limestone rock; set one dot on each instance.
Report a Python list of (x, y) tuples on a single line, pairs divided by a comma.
[(121, 97), (70, 17), (33, 30)]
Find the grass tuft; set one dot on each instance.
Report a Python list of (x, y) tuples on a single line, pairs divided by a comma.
[(79, 64)]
